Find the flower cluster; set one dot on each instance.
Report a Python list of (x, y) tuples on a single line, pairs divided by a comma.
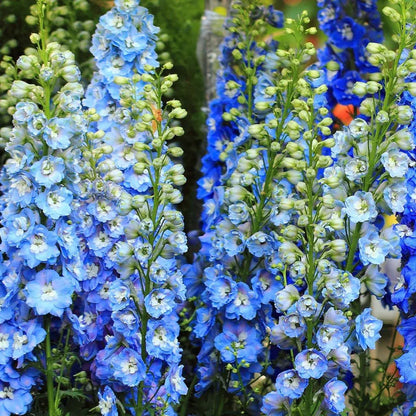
[(127, 322), (40, 189), (225, 319), (296, 227)]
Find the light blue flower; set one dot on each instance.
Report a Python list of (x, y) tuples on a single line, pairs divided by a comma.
[(175, 384), (159, 302), (222, 288), (307, 306), (407, 367), (244, 304), (39, 247), (59, 132), (275, 404), (290, 384), (375, 281), (55, 202), (373, 249), (128, 367), (20, 226), (49, 293), (260, 244), (329, 337), (395, 196), (238, 213), (119, 294), (161, 338), (238, 341), (107, 402), (234, 243), (343, 143), (334, 399), (395, 162), (367, 329), (311, 364), (286, 297), (355, 169), (293, 325), (48, 171), (361, 207)]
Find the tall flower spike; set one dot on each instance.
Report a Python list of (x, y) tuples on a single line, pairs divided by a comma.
[(241, 269), (38, 232), (340, 242), (132, 233)]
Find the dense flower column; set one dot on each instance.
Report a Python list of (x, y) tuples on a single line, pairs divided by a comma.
[(122, 45), (343, 244), (139, 285), (349, 26), (39, 243), (127, 323), (241, 273)]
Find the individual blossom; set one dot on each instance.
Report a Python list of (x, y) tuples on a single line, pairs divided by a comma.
[(49, 293), (311, 364), (367, 329), (290, 384), (361, 207), (334, 399)]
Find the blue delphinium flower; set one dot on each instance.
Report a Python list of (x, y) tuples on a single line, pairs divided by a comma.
[(290, 384), (40, 191), (334, 400), (367, 329), (311, 364), (49, 293), (107, 402), (361, 207)]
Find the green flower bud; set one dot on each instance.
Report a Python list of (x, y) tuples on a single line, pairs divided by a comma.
[(373, 87), (35, 38), (404, 114), (368, 106), (175, 151), (360, 89), (293, 176), (237, 54), (262, 105)]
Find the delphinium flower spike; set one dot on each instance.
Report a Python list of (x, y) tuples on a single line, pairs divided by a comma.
[(340, 202), (242, 272), (132, 233), (241, 65), (38, 233)]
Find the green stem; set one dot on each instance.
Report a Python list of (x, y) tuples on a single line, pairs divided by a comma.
[(220, 406), (61, 373), (49, 369), (363, 384), (184, 406)]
